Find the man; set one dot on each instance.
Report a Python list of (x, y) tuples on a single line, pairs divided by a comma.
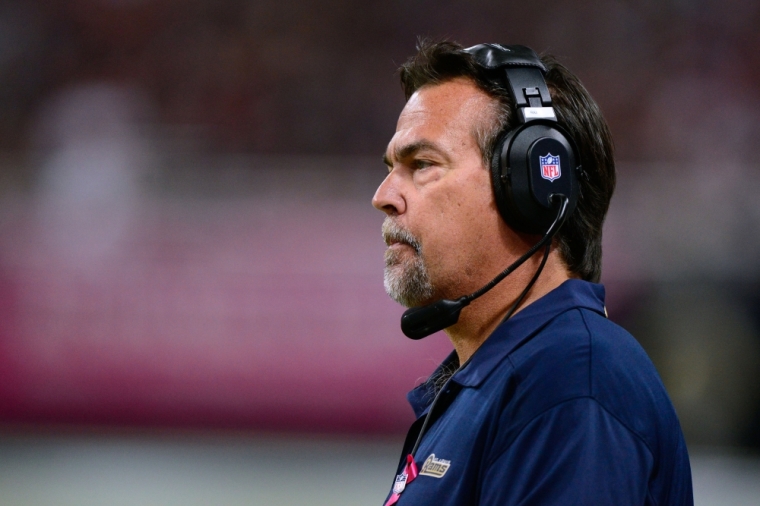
[(544, 400)]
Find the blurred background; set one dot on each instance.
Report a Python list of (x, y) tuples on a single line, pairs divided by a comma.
[(191, 301)]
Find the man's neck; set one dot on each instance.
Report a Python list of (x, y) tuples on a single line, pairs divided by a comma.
[(478, 320)]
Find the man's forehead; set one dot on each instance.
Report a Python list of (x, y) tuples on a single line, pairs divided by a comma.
[(438, 113), (456, 99)]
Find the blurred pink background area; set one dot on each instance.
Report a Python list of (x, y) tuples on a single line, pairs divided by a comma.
[(186, 235), (266, 312)]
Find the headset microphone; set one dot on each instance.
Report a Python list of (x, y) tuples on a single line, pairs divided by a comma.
[(420, 322)]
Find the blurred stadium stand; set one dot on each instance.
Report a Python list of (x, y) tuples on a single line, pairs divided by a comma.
[(186, 240)]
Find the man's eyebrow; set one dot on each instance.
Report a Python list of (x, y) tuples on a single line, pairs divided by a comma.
[(407, 150)]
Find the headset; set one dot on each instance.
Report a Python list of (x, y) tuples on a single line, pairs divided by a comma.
[(534, 174)]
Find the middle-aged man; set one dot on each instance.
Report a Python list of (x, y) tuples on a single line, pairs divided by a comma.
[(544, 400)]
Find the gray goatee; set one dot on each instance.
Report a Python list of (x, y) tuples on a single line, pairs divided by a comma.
[(406, 279)]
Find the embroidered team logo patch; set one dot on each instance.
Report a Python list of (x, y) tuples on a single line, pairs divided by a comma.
[(435, 467), (550, 169)]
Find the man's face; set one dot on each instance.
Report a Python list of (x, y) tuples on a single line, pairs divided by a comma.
[(442, 227)]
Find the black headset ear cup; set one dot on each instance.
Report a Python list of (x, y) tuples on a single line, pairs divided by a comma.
[(528, 165), (499, 176)]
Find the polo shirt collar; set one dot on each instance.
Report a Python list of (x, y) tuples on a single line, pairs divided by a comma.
[(571, 294)]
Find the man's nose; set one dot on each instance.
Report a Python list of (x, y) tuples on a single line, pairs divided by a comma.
[(388, 197)]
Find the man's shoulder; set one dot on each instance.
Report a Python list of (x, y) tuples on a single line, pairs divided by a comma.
[(580, 381), (585, 346), (582, 354)]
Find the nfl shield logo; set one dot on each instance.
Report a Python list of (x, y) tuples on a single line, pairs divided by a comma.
[(550, 169), (400, 483)]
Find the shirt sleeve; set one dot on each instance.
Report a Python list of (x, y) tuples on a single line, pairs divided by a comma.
[(575, 453)]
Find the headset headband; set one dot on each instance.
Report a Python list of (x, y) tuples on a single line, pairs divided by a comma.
[(523, 77)]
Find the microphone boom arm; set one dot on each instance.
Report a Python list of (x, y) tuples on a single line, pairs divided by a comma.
[(420, 322)]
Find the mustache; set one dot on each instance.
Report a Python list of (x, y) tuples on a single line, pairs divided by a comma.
[(394, 232)]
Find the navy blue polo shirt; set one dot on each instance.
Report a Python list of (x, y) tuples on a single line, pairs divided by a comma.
[(558, 406)]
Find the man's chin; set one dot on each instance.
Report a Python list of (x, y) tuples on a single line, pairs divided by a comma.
[(407, 282), (414, 296), (409, 303), (406, 297)]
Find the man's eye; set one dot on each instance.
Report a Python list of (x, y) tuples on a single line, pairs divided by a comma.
[(422, 164)]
